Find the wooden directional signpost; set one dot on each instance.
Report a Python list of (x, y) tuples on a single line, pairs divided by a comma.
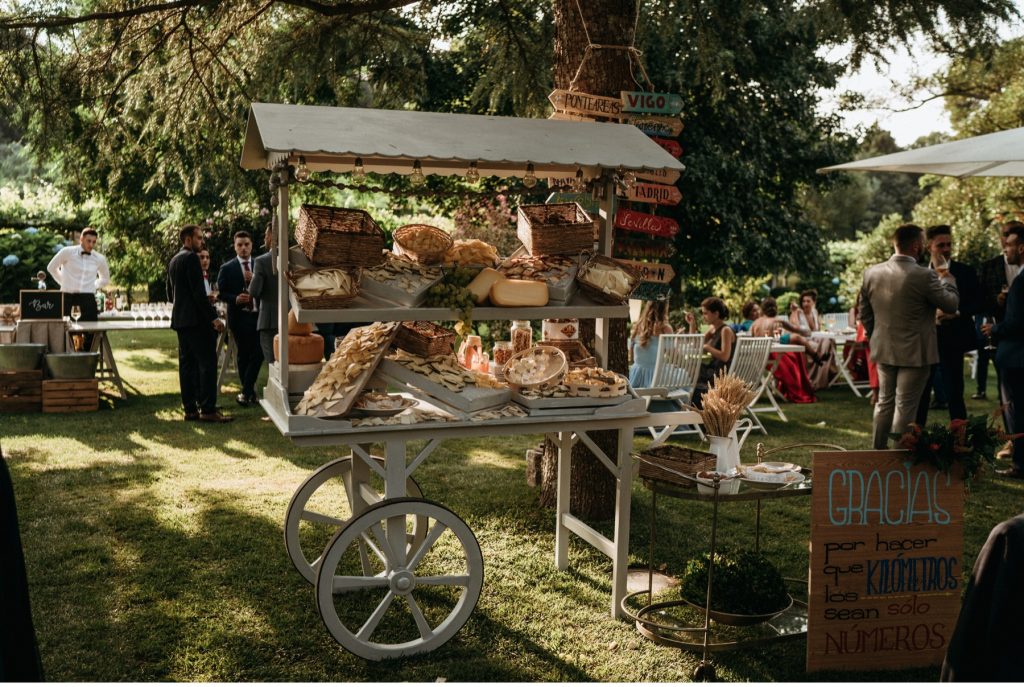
[(652, 271), (629, 247), (575, 102), (662, 176), (651, 103), (653, 125), (659, 194), (629, 220), (672, 147)]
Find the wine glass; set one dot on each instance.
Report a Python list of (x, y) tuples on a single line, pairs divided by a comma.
[(76, 312), (989, 344), (941, 265)]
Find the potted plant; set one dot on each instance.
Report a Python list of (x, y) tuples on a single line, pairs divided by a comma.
[(746, 588), (967, 446)]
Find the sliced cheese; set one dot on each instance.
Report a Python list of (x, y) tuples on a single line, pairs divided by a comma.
[(482, 283), (303, 349), (296, 327), (519, 293)]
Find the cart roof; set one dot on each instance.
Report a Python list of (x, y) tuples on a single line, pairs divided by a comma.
[(331, 138)]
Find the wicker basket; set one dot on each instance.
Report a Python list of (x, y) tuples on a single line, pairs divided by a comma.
[(325, 302), (425, 339), (554, 372), (339, 236), (439, 238), (685, 460), (556, 229), (575, 352), (596, 293)]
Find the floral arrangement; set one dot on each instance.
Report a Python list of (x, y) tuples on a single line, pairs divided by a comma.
[(970, 444)]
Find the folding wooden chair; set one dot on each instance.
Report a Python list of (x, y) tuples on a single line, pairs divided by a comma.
[(749, 362), (675, 376)]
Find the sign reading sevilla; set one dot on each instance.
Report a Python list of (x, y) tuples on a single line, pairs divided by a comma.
[(659, 194), (652, 271), (575, 102), (655, 103), (628, 220)]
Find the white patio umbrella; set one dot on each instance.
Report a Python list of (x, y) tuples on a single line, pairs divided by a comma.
[(992, 155)]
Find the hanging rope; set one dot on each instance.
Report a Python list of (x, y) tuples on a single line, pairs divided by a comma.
[(632, 53)]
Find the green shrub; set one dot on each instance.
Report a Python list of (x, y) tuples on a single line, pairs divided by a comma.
[(745, 583), (22, 254)]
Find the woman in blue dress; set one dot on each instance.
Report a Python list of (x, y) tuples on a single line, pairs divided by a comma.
[(643, 342)]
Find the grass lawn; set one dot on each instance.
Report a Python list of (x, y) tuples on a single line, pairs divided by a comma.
[(155, 549)]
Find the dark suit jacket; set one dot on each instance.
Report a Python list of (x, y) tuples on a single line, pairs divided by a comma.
[(1009, 334), (231, 282), (263, 288), (992, 277), (958, 335), (188, 294)]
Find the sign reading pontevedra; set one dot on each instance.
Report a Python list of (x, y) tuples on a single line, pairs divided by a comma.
[(886, 551), (653, 103), (41, 305), (575, 102), (629, 220)]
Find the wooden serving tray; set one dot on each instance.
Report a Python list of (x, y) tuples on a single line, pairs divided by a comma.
[(469, 400)]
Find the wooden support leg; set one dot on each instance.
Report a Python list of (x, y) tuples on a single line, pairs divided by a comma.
[(623, 499), (564, 444)]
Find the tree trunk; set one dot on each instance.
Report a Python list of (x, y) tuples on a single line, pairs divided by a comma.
[(604, 72)]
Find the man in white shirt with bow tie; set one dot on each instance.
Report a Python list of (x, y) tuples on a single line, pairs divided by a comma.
[(81, 271)]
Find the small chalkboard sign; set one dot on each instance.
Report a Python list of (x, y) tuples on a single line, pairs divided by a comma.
[(41, 305)]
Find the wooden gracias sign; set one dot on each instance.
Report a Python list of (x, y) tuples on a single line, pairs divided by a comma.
[(886, 552)]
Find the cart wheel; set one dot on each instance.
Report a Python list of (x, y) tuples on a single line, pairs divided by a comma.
[(705, 672), (322, 506), (411, 602)]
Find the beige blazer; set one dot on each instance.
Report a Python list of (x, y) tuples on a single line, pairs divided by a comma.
[(898, 300)]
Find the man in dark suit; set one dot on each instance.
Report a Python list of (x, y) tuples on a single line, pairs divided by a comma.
[(233, 284), (263, 289), (996, 275), (195, 321), (953, 332), (1009, 337)]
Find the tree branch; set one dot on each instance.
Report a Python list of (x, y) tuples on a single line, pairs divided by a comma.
[(343, 9)]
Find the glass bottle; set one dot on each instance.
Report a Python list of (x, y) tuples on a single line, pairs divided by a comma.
[(470, 351), (522, 335)]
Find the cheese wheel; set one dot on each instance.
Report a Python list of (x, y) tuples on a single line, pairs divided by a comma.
[(302, 349), (482, 283), (296, 327), (519, 293)]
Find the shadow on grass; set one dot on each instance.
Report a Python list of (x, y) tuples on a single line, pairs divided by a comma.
[(144, 363)]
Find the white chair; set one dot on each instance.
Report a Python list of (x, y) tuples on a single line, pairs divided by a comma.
[(749, 361), (837, 321), (675, 375)]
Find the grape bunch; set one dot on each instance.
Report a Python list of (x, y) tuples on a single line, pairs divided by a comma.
[(451, 292)]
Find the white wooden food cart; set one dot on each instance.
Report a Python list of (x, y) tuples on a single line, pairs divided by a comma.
[(390, 551)]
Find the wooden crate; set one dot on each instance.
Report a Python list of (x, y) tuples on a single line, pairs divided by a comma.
[(71, 395), (21, 391)]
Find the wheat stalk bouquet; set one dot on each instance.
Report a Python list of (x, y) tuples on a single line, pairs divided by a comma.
[(725, 400)]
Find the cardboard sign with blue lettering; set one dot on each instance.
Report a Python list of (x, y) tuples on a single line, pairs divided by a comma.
[(887, 540)]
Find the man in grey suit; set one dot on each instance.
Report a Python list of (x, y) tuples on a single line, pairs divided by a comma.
[(263, 288), (898, 300)]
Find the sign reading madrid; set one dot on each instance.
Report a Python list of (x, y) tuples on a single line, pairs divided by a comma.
[(659, 194)]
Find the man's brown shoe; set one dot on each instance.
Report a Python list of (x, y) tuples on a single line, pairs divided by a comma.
[(191, 417), (1013, 473), (215, 417), (1006, 451)]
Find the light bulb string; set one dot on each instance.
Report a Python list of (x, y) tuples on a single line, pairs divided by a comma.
[(519, 189)]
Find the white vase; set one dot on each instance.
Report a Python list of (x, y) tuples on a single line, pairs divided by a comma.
[(727, 453)]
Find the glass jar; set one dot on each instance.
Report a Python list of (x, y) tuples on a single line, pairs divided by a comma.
[(522, 335), (470, 351), (502, 352)]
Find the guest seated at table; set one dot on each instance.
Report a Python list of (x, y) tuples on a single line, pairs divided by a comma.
[(643, 342), (719, 341), (791, 371), (819, 365), (806, 316), (750, 312)]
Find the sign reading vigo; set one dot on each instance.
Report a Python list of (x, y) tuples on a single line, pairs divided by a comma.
[(653, 103)]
